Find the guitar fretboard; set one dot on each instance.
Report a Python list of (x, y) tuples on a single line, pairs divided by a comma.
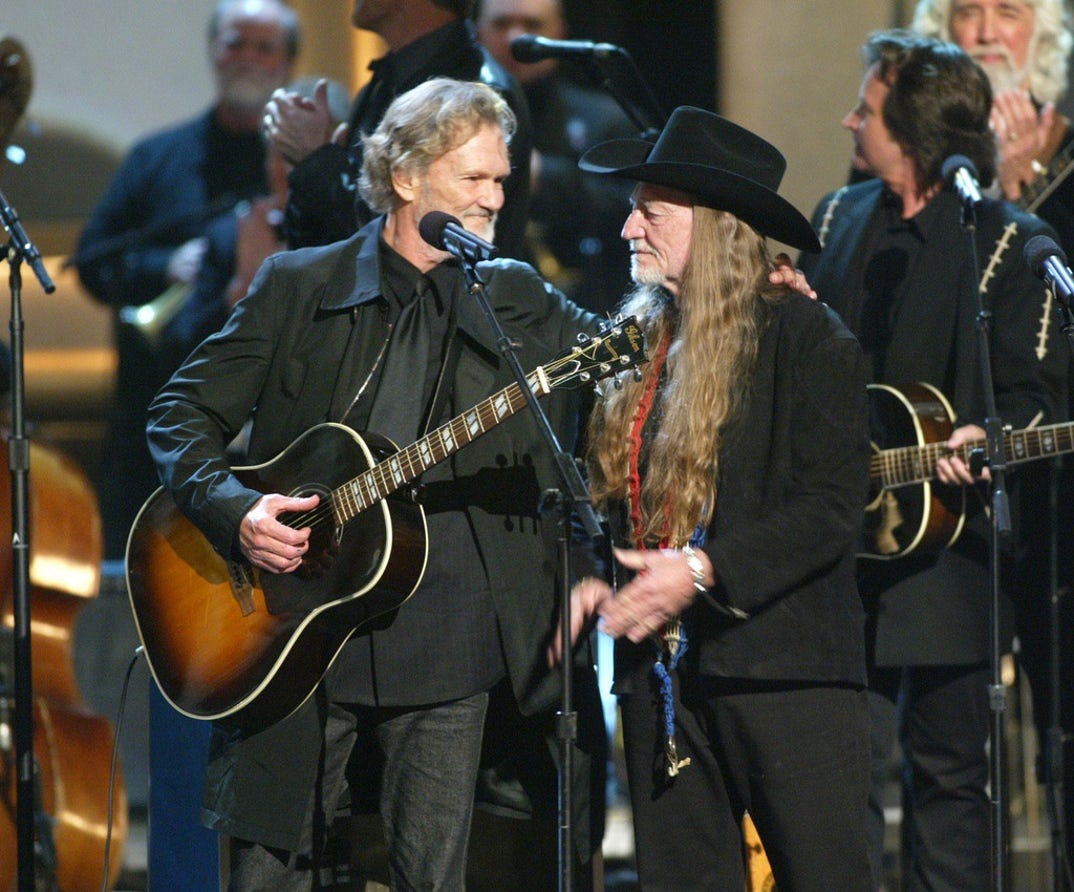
[(1034, 194), (905, 465), (387, 476)]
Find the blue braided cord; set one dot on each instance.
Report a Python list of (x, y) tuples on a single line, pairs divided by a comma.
[(666, 696), (662, 674)]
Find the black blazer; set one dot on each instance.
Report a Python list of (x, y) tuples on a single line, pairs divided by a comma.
[(793, 482)]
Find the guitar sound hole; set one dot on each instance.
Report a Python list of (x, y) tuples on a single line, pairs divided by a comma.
[(324, 544)]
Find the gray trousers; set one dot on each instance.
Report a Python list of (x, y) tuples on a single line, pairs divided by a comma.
[(422, 765)]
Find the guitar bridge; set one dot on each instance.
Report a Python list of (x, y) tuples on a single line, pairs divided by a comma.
[(241, 575)]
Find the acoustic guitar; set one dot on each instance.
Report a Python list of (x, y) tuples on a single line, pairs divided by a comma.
[(908, 511), (226, 642), (1056, 171)]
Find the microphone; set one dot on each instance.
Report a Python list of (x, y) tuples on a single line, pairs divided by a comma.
[(531, 48), (1048, 262), (446, 233), (960, 175)]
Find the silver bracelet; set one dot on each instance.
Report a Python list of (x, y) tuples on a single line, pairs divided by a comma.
[(698, 571), (696, 568)]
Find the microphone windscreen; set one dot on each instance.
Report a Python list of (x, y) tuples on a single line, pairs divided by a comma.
[(431, 227), (951, 166), (524, 48), (1040, 248)]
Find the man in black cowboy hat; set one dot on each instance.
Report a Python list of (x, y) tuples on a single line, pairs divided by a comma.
[(734, 478), (898, 268)]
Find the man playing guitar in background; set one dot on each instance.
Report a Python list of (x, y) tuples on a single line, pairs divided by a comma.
[(896, 265), (1024, 48)]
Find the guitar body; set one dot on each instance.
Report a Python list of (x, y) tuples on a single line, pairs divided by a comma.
[(921, 515), (253, 654)]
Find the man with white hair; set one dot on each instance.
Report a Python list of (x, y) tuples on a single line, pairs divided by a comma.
[(1023, 46), (151, 229)]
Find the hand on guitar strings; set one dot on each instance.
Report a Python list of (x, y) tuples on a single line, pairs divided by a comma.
[(270, 544), (952, 469)]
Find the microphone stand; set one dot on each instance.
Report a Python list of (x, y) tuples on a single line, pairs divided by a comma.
[(1054, 763), (646, 115), (573, 496), (1000, 529), (18, 249)]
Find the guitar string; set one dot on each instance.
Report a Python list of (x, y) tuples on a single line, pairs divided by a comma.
[(411, 454), (892, 465)]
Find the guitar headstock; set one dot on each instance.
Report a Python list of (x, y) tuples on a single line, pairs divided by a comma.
[(618, 347)]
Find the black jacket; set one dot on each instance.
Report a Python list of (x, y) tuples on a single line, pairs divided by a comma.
[(294, 353), (792, 490)]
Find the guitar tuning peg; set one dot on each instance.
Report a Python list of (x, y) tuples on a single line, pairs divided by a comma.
[(583, 338), (637, 373), (617, 383)]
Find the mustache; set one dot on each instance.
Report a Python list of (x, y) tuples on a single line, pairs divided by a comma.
[(992, 49)]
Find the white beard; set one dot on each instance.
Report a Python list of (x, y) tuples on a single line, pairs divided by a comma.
[(1003, 77)]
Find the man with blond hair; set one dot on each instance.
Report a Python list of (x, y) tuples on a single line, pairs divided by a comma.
[(379, 332)]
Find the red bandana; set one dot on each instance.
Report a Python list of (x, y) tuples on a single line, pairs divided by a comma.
[(641, 415)]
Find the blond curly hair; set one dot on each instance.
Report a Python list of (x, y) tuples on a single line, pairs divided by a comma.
[(421, 125)]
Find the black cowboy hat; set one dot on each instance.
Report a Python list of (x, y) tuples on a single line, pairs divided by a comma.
[(721, 164)]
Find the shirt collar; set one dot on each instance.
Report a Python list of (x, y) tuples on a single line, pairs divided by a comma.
[(922, 224), (401, 280)]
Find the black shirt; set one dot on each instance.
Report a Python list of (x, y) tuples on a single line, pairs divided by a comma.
[(894, 246), (452, 607)]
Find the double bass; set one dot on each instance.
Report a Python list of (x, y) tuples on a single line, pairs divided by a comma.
[(72, 745)]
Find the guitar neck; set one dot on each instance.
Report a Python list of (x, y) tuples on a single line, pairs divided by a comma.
[(399, 469), (1059, 168), (906, 465)]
